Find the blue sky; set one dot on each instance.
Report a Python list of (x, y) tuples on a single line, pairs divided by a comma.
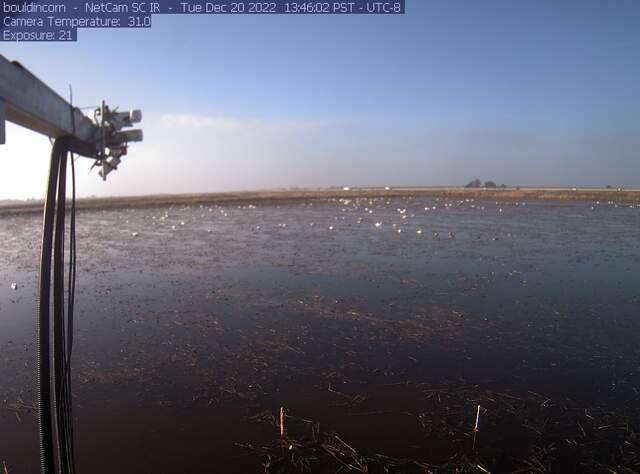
[(523, 92)]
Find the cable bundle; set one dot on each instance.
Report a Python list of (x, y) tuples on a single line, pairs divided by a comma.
[(55, 409)]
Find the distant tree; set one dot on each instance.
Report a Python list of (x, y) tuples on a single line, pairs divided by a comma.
[(476, 183), (490, 184), (609, 186), (503, 186)]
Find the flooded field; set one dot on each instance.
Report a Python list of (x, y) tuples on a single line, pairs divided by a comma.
[(378, 324)]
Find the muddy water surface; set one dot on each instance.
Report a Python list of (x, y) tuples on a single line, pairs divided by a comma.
[(381, 323)]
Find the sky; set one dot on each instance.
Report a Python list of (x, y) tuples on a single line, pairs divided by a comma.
[(522, 92)]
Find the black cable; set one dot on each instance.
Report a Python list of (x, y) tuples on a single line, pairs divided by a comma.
[(70, 308), (66, 412), (59, 349), (64, 334), (64, 406), (56, 411), (43, 351)]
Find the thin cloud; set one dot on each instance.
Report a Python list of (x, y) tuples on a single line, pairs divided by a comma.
[(224, 124)]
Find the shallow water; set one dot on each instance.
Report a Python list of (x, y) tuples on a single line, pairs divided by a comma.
[(191, 334)]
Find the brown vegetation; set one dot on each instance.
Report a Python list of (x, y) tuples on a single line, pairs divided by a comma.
[(559, 194)]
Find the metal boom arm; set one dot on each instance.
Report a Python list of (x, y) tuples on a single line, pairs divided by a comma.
[(27, 101)]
